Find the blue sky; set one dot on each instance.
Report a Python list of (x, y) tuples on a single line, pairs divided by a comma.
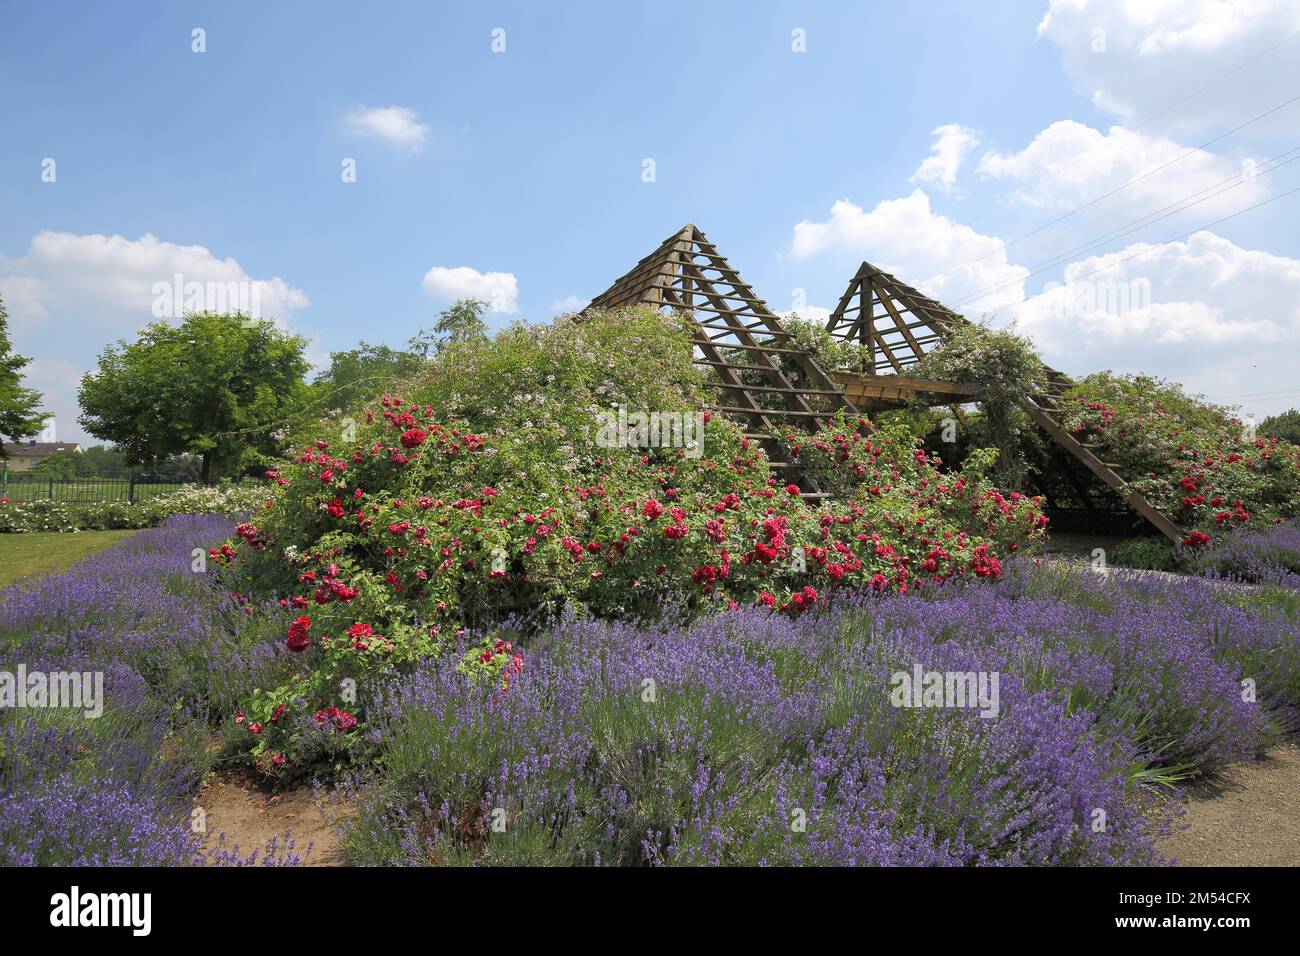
[(519, 174)]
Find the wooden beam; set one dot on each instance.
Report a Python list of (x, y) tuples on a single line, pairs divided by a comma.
[(899, 386)]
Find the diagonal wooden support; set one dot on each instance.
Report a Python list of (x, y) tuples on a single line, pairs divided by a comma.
[(916, 322), (738, 338)]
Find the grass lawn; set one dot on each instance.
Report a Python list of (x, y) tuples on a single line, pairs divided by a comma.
[(22, 555)]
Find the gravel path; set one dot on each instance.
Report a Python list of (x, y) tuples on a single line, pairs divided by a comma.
[(1248, 816)]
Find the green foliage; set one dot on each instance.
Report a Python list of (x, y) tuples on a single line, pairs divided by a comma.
[(831, 354), (216, 386), (1004, 368), (100, 461), (1151, 554), (460, 324), (61, 466), (43, 515), (20, 414), (361, 373), (1284, 425)]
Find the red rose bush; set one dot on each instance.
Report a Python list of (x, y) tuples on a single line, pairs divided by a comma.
[(437, 513)]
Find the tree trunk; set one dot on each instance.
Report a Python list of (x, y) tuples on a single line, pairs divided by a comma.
[(205, 475)]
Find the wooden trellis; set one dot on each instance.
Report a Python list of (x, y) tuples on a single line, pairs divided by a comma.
[(892, 321), (739, 339), (898, 325), (742, 342)]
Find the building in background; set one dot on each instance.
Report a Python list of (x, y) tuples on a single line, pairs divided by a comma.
[(24, 456)]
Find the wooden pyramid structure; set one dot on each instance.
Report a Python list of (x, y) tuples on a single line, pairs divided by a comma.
[(764, 380), (768, 383), (897, 325)]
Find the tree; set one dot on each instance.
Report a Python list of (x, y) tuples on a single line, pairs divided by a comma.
[(99, 461), (60, 466), (20, 416), (460, 322), (215, 386), (362, 373), (1285, 425)]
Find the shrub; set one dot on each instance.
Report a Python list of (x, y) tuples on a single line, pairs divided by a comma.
[(1004, 369), (1194, 461), (1151, 554), (227, 500), (1284, 425), (491, 488), (1268, 555), (749, 738)]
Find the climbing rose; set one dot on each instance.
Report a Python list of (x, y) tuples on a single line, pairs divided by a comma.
[(414, 437), (298, 639)]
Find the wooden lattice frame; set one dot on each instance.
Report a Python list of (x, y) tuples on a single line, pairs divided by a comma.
[(687, 273), (889, 318), (892, 320), (897, 325)]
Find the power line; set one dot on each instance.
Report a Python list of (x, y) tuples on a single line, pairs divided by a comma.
[(1219, 80), (1158, 245), (1174, 105), (1176, 207), (1002, 247)]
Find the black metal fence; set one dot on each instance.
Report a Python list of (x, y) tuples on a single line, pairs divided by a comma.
[(20, 487)]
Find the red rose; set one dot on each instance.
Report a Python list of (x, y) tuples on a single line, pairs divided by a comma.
[(414, 437), (298, 639)]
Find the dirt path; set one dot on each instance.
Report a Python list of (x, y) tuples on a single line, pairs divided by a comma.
[(1250, 816), (251, 817)]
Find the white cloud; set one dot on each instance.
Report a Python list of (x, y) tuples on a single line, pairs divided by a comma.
[(905, 237), (22, 298), (570, 303), (1221, 319), (500, 290), (122, 284), (1068, 164), (398, 126), (1135, 59), (951, 145)]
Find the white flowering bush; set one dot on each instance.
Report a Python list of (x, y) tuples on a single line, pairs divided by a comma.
[(33, 516)]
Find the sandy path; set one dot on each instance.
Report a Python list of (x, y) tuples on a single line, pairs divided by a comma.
[(1249, 816), (250, 817)]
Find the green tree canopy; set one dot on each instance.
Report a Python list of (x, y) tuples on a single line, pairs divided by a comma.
[(215, 386), (20, 414), (362, 373), (461, 322), (1285, 425), (60, 466)]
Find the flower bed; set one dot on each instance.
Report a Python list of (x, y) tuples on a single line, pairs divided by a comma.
[(1268, 555), (33, 516), (492, 489), (115, 789), (747, 736)]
